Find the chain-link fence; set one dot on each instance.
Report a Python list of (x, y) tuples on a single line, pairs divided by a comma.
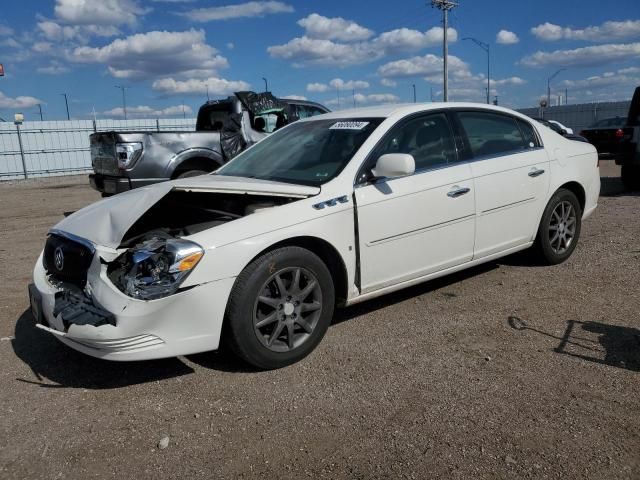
[(43, 149)]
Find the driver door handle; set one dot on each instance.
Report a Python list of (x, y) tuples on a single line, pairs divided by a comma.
[(536, 172), (458, 191)]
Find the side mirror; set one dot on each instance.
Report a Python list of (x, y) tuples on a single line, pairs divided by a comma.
[(393, 165)]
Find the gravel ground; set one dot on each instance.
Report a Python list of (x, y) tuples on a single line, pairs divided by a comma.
[(508, 370)]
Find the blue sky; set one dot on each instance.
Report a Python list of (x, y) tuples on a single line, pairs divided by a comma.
[(167, 52)]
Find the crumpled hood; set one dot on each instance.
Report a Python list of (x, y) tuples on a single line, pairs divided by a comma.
[(106, 222)]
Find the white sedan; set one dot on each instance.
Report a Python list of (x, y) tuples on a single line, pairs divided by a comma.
[(326, 212)]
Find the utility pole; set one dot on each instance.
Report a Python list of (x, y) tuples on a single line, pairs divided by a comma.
[(354, 98), (124, 99), (40, 108), (445, 6), (431, 94), (486, 47), (566, 96), (208, 99), (266, 85), (414, 92), (66, 102), (549, 85), (338, 91)]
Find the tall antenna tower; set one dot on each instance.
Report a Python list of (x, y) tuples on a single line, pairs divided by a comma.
[(445, 6)]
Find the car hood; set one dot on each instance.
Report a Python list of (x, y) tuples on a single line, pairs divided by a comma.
[(106, 222)]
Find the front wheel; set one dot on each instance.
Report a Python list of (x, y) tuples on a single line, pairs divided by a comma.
[(559, 228), (280, 308)]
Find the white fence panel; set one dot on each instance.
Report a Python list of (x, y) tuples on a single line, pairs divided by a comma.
[(62, 147)]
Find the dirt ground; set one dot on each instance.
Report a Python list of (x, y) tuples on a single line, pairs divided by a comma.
[(508, 370)]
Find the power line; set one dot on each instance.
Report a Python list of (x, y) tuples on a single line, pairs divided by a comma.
[(445, 6)]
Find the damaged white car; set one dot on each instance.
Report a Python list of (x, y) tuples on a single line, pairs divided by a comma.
[(326, 212)]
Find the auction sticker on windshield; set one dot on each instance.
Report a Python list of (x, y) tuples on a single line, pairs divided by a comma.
[(348, 125)]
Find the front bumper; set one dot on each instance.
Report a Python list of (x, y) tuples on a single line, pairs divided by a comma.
[(113, 185), (182, 324)]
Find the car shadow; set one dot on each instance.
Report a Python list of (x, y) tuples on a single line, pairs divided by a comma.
[(55, 365), (390, 299), (596, 342)]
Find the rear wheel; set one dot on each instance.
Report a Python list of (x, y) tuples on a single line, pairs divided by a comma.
[(559, 228), (630, 175), (280, 308)]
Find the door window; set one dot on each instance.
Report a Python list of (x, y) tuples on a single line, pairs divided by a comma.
[(491, 133), (427, 138)]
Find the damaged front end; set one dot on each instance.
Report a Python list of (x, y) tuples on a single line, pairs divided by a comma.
[(155, 267)]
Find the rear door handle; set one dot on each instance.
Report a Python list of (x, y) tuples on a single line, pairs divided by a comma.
[(458, 191), (536, 172)]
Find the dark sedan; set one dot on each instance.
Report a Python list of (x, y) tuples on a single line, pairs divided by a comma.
[(605, 134)]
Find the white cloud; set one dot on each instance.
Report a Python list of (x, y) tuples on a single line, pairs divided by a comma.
[(625, 76), (154, 54), (583, 57), (508, 81), (146, 111), (317, 87), (217, 86), (306, 50), (295, 97), (42, 47), (4, 30), (10, 42), (55, 32), (606, 32), (403, 39), (240, 10), (317, 26), (230, 45), (426, 65), (387, 82), (98, 12), (54, 68), (349, 84), (18, 102), (361, 99), (505, 37)]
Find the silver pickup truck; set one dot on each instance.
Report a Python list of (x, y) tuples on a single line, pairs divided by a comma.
[(125, 160)]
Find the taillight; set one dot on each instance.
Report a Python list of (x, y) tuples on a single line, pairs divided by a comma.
[(619, 133)]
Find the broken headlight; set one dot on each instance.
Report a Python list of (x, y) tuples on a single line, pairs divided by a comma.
[(154, 268)]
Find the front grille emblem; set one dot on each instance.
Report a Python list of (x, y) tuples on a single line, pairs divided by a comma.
[(58, 258)]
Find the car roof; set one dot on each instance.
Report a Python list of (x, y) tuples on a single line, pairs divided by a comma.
[(386, 111)]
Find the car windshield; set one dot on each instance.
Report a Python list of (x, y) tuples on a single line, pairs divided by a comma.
[(308, 153)]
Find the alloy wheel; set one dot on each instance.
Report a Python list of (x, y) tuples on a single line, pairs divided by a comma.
[(562, 227)]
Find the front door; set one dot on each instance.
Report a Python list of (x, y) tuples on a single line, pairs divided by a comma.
[(412, 226)]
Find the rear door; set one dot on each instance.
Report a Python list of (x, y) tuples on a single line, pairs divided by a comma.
[(511, 178), (422, 223)]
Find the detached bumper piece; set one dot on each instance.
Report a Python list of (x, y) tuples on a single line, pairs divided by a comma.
[(78, 309)]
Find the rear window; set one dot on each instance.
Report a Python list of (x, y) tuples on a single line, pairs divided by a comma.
[(212, 117), (617, 122), (491, 133)]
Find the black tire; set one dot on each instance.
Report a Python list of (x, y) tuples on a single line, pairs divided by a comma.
[(630, 175), (191, 173), (106, 195), (548, 248), (241, 331)]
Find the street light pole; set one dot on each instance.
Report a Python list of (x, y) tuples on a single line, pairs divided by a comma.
[(66, 102), (40, 108), (414, 92), (445, 6), (266, 85), (549, 85), (124, 99), (486, 47)]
